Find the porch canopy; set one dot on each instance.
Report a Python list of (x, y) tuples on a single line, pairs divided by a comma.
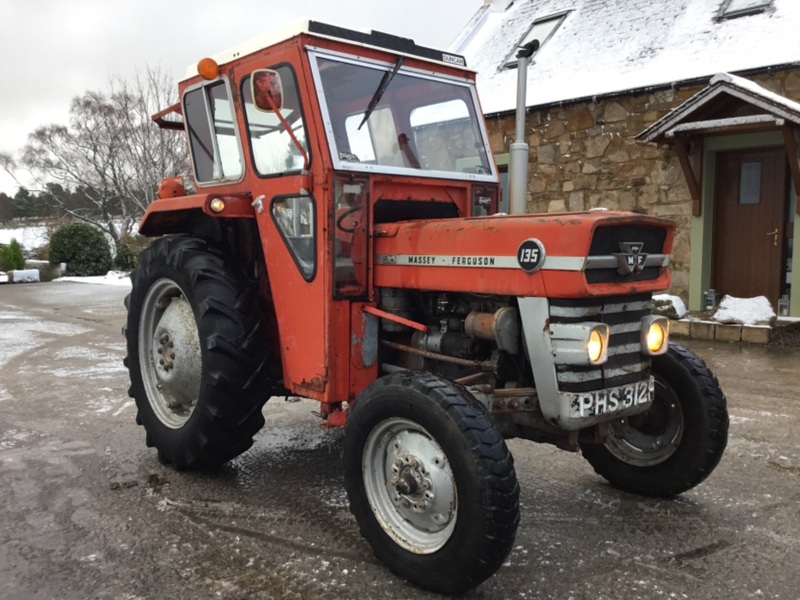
[(728, 105)]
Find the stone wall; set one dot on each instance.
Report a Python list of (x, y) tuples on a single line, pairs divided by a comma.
[(584, 155)]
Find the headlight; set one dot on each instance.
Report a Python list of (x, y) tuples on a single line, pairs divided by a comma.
[(655, 335), (596, 346), (580, 343)]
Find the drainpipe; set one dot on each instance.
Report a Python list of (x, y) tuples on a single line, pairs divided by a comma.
[(518, 153)]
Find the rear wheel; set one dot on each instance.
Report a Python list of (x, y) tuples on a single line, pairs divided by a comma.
[(196, 353), (430, 481), (677, 442)]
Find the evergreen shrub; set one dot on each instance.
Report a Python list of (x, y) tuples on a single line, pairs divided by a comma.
[(11, 257), (84, 248)]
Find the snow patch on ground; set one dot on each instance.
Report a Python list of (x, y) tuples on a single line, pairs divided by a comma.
[(747, 311), (291, 427), (677, 304), (20, 333), (111, 278)]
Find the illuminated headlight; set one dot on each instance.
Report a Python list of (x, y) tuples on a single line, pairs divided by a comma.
[(217, 205), (580, 343), (596, 346), (655, 335)]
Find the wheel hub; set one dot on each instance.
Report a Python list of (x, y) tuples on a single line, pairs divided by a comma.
[(412, 489), (170, 349), (407, 484), (651, 437), (410, 485)]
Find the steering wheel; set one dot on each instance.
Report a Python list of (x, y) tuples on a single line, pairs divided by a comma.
[(340, 219)]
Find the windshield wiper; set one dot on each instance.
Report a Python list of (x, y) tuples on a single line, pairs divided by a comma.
[(376, 97)]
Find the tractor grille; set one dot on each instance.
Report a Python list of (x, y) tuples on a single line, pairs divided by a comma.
[(606, 242), (625, 364)]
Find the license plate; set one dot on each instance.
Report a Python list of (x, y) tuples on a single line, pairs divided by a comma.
[(611, 400)]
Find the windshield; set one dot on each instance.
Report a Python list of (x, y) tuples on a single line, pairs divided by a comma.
[(416, 124)]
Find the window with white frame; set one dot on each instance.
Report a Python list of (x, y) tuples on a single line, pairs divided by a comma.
[(542, 30)]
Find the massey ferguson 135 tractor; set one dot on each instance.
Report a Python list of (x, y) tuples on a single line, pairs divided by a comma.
[(343, 244)]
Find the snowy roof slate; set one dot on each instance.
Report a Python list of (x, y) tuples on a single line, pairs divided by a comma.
[(612, 46)]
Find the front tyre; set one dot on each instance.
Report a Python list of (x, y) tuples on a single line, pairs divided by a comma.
[(677, 442), (430, 481), (196, 353)]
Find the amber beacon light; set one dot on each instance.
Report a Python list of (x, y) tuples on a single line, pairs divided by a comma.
[(208, 68)]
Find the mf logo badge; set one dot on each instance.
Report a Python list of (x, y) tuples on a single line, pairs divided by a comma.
[(530, 255), (630, 259)]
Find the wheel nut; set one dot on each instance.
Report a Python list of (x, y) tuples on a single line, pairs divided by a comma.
[(405, 503), (414, 463), (426, 484), (398, 462)]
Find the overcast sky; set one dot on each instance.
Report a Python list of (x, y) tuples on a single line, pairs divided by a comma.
[(54, 50)]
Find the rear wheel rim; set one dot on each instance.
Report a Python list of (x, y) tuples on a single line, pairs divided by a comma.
[(654, 436), (169, 353), (410, 485)]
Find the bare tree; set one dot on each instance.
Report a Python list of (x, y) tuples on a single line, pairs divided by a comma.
[(111, 150), (7, 164)]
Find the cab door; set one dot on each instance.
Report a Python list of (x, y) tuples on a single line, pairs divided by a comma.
[(289, 222)]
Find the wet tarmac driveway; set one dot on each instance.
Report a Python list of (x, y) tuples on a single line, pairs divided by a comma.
[(89, 512)]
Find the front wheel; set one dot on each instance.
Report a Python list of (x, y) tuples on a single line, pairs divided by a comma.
[(430, 481), (677, 442)]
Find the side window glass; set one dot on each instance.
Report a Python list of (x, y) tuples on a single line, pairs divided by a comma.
[(350, 239), (214, 146), (294, 217), (274, 151)]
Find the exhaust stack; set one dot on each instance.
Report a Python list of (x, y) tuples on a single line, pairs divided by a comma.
[(518, 158)]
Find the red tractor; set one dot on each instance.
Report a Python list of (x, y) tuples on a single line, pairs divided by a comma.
[(343, 243)]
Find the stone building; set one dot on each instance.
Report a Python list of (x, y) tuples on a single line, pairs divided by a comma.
[(609, 71)]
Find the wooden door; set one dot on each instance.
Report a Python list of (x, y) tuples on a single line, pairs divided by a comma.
[(749, 222)]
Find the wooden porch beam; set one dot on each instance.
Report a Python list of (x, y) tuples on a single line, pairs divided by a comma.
[(692, 179), (794, 162)]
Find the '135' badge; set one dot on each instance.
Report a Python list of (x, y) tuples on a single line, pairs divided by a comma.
[(530, 255)]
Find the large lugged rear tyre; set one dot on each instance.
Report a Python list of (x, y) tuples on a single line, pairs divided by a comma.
[(196, 353), (430, 481), (678, 442)]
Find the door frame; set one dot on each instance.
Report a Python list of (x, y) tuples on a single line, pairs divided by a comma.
[(702, 227)]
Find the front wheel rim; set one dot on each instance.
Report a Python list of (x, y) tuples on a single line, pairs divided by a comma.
[(410, 485), (169, 353), (654, 436)]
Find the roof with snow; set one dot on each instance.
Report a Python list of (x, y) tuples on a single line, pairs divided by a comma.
[(733, 102), (606, 47)]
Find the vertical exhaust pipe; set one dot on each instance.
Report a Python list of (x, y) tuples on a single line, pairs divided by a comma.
[(518, 154)]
